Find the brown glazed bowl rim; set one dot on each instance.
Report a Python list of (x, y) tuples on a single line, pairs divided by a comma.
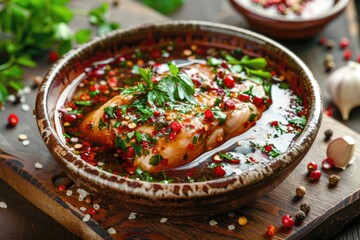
[(337, 8), (103, 180)]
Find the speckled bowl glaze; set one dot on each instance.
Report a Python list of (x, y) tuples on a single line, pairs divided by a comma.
[(281, 27), (179, 199)]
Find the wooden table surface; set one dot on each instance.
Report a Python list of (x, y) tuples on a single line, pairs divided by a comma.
[(24, 221)]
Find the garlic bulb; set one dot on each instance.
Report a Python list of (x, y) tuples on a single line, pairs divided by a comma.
[(344, 88), (341, 151)]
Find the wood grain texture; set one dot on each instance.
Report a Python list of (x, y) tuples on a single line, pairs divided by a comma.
[(331, 208), (260, 214)]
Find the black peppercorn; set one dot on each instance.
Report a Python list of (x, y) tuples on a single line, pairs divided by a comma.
[(305, 208), (300, 216), (328, 135)]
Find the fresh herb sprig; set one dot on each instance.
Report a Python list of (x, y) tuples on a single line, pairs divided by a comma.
[(30, 28), (176, 86)]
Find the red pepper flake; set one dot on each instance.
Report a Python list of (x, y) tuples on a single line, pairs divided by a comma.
[(111, 73), (312, 166), (209, 115), (156, 113), (53, 56), (347, 54), (175, 126), (273, 73), (329, 111), (230, 104), (61, 188), (13, 119), (156, 53), (91, 211), (191, 146), (268, 148), (288, 221), (93, 88), (344, 42), (224, 65), (229, 82), (69, 118), (218, 171), (172, 136), (258, 101), (244, 98), (274, 123), (130, 153)]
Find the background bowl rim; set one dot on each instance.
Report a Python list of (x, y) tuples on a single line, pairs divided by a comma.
[(48, 132), (337, 8)]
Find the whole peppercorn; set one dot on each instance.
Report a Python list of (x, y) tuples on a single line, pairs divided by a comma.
[(305, 208), (300, 216), (300, 191), (328, 134), (334, 179)]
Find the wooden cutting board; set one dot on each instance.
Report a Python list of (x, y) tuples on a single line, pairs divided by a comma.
[(331, 208)]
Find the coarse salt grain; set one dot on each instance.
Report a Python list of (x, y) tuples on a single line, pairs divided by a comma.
[(163, 220), (25, 142), (38, 165), (96, 206), (11, 98), (111, 231), (3, 204), (22, 137), (69, 193), (78, 146), (86, 218), (213, 223), (26, 89), (132, 216), (83, 209), (74, 139), (25, 107), (100, 164), (231, 227)]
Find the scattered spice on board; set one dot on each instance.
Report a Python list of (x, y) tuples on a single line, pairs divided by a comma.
[(300, 191), (22, 137), (242, 221), (25, 107), (38, 165), (132, 216), (83, 209), (287, 221), (328, 134), (26, 142), (334, 179), (163, 220), (3, 204), (213, 223), (13, 120), (111, 231), (86, 218), (271, 230), (305, 208), (300, 216), (231, 227)]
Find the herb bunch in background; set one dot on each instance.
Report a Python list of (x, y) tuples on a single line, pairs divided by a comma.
[(164, 6), (30, 28)]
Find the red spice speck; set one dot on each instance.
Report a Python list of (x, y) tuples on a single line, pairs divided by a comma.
[(172, 136), (53, 56), (156, 53), (230, 104), (347, 54), (91, 211), (312, 166), (175, 126), (344, 42), (229, 82), (191, 146), (315, 175), (61, 188), (244, 98), (130, 153), (271, 230), (268, 148), (323, 41), (209, 115), (274, 123), (69, 118), (13, 119), (258, 101), (218, 171)]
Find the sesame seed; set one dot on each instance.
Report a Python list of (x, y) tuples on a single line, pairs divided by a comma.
[(132, 216), (100, 164), (25, 142), (111, 231), (78, 146), (187, 52), (96, 206), (83, 209), (22, 137), (25, 107), (3, 204), (81, 85), (163, 220), (22, 99), (74, 139), (66, 124), (231, 227), (68, 109), (69, 193), (127, 117), (38, 165), (213, 223), (132, 125), (86, 218)]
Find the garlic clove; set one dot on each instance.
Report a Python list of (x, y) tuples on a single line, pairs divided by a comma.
[(341, 151), (344, 88)]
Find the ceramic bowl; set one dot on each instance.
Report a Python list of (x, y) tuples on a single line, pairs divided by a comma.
[(282, 27), (179, 199)]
